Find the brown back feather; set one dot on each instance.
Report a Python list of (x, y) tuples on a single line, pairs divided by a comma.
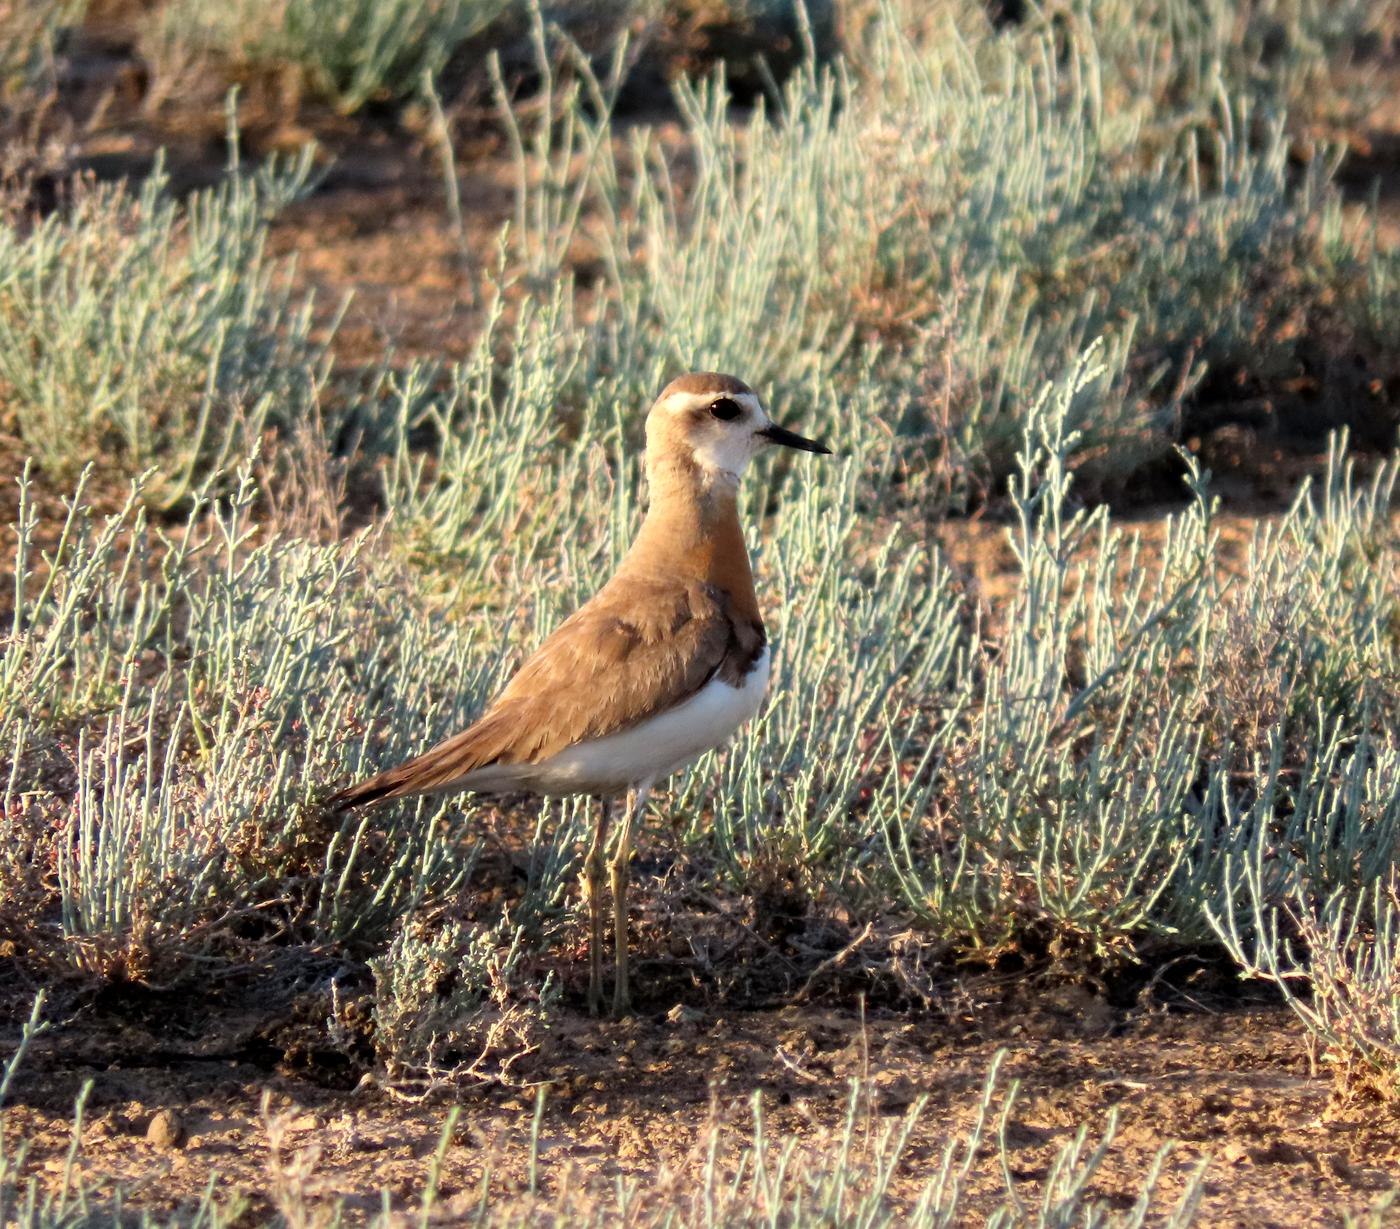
[(641, 646)]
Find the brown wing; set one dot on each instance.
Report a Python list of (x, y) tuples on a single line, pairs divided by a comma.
[(638, 648)]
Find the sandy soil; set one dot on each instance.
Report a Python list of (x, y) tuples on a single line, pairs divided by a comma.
[(641, 1098)]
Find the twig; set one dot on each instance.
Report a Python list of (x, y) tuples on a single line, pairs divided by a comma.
[(442, 134), (832, 962)]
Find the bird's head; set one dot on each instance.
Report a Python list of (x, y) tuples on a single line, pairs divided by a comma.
[(716, 424)]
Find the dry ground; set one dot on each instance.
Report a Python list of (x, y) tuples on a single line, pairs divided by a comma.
[(639, 1099)]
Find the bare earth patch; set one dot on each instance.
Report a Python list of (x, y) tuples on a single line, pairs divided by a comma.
[(641, 1099)]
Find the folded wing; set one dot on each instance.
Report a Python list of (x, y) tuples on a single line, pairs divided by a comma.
[(637, 649)]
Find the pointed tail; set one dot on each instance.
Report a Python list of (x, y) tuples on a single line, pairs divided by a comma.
[(439, 768), (374, 789)]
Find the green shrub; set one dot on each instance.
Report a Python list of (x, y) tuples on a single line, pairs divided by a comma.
[(29, 33), (957, 213), (351, 52), (141, 332)]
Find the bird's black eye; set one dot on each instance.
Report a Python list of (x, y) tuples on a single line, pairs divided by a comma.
[(726, 409)]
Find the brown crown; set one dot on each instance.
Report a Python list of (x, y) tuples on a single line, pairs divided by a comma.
[(705, 382)]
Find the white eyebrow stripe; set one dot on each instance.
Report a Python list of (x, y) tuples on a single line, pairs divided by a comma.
[(678, 403)]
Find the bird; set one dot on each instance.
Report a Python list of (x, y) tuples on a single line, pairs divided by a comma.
[(664, 663)]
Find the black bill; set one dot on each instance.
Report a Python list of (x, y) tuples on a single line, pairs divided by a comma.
[(775, 434)]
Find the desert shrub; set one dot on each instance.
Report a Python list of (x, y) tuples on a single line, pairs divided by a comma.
[(1374, 304), (355, 52), (958, 213), (1134, 732), (1165, 58), (453, 1000), (351, 54), (33, 136), (477, 459), (137, 331), (1332, 954), (379, 51), (193, 706), (29, 33)]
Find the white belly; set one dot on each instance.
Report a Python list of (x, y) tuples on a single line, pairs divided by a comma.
[(647, 751)]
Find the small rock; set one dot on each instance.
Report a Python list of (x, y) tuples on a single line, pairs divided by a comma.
[(103, 1127), (166, 1130), (1235, 1153)]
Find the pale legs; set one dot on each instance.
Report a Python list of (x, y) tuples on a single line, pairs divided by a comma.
[(593, 882), (593, 885), (621, 867)]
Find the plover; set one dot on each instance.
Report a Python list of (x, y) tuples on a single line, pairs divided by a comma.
[(665, 663)]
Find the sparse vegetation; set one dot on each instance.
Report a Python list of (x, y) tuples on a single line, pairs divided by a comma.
[(1014, 268), (31, 31), (31, 37), (152, 335), (762, 1180), (348, 53)]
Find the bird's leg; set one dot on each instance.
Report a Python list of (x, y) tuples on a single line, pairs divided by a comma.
[(621, 865), (593, 885), (621, 868)]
